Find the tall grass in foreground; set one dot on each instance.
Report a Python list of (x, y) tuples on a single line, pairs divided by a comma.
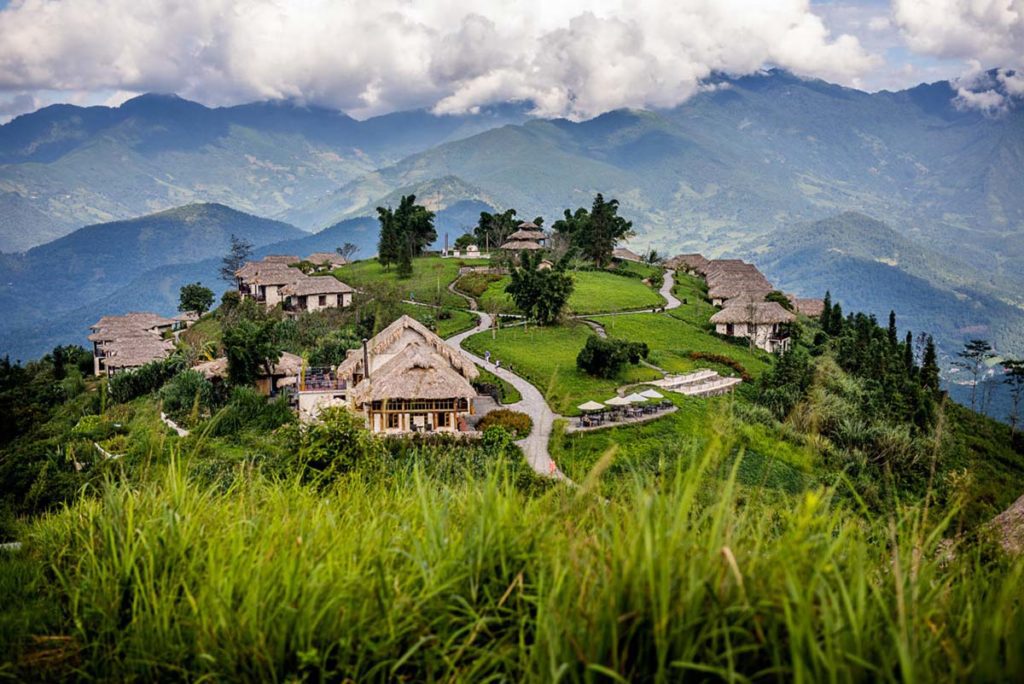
[(383, 578)]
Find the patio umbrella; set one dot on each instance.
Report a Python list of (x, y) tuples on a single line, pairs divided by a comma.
[(652, 394), (590, 406), (636, 398), (618, 401)]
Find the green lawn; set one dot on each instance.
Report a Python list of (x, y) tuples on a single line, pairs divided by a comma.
[(595, 292), (695, 308), (546, 357), (459, 321), (671, 340), (429, 282), (656, 448)]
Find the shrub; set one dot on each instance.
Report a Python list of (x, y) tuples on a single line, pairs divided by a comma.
[(515, 422), (248, 409), (605, 357), (724, 360), (336, 443), (475, 284), (129, 384), (186, 396)]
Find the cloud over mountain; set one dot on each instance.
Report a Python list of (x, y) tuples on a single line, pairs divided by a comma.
[(574, 58)]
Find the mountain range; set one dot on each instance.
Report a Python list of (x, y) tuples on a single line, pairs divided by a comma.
[(891, 200)]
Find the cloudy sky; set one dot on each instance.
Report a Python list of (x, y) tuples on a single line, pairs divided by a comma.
[(573, 58)]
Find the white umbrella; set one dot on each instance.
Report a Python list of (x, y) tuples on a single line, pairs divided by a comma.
[(652, 394), (590, 406), (636, 398), (617, 401)]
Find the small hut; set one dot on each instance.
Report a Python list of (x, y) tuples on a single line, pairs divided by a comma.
[(758, 321), (326, 261)]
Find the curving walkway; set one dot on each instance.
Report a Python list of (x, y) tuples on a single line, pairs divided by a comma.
[(535, 445), (533, 404)]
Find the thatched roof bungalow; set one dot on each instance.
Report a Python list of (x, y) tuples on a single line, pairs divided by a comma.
[(695, 263), (415, 381), (129, 341), (312, 293), (761, 322), (516, 245), (720, 294), (327, 260)]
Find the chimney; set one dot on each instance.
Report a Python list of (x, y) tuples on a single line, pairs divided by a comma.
[(366, 360)]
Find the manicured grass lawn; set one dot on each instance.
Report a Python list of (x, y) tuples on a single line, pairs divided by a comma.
[(595, 292), (460, 320), (546, 357), (206, 329), (671, 339), (696, 309), (643, 270), (429, 281)]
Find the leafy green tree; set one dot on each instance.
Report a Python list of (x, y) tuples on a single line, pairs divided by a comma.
[(415, 223), (1015, 381), (195, 298), (239, 252), (595, 233), (405, 257), (972, 359), (493, 229), (465, 240), (780, 298), (389, 244), (540, 295), (251, 347), (604, 358)]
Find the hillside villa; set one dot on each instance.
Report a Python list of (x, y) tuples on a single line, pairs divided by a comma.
[(273, 281), (404, 379), (760, 322), (132, 340)]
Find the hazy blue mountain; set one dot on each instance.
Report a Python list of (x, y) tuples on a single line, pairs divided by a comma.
[(759, 153), (869, 267), (53, 293), (64, 166)]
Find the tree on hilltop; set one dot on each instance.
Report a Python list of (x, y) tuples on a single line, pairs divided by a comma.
[(540, 294), (595, 233), (972, 359), (411, 225), (492, 230), (238, 253), (1015, 380), (195, 298)]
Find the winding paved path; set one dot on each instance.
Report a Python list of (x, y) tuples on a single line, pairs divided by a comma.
[(535, 445)]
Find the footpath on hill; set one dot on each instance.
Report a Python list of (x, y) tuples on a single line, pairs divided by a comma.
[(535, 445)]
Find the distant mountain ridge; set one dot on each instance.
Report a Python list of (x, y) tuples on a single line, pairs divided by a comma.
[(65, 166)]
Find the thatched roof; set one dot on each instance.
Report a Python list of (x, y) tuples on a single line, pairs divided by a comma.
[(528, 225), (626, 254), (135, 320), (759, 313), (531, 235), (269, 271), (736, 288), (808, 307), (418, 372), (288, 364), (517, 245), (281, 259), (315, 285), (136, 350), (331, 258), (695, 262), (733, 273), (404, 332), (746, 298)]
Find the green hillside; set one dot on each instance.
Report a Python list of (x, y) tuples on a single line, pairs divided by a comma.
[(831, 496)]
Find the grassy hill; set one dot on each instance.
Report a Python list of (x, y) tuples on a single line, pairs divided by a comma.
[(346, 555)]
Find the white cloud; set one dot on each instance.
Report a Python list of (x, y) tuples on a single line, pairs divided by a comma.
[(989, 31), (574, 57)]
